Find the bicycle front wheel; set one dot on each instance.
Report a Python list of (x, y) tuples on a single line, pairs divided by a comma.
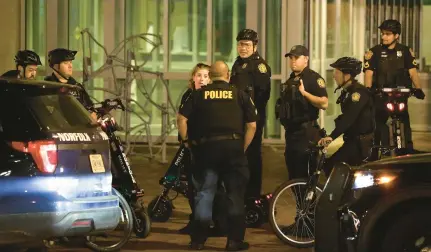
[(298, 203)]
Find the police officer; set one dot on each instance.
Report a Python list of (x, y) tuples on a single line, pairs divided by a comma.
[(26, 65), (252, 74), (60, 60), (391, 64), (357, 119), (303, 94), (218, 145)]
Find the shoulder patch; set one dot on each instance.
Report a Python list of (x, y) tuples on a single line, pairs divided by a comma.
[(321, 82), (411, 52), (356, 96), (368, 55), (262, 68)]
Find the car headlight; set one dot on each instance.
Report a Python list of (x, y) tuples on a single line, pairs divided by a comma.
[(363, 179)]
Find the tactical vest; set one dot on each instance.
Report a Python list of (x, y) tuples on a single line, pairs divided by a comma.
[(391, 70), (218, 111), (292, 107)]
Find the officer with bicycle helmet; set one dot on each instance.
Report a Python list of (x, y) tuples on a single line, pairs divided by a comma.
[(357, 119), (251, 73), (391, 64), (60, 60), (26, 65)]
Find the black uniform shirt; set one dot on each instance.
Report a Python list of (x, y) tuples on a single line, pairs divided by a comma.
[(313, 84), (81, 95), (372, 56), (221, 112), (357, 116), (255, 72)]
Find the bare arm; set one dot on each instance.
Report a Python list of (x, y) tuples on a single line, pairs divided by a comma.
[(182, 126), (368, 78), (316, 101), (415, 77), (250, 130)]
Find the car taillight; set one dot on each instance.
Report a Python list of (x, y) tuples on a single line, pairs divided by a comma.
[(390, 106), (43, 152), (401, 106)]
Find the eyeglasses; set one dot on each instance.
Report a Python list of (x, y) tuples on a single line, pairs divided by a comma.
[(246, 45)]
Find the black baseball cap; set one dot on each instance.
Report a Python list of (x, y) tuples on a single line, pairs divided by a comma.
[(297, 50)]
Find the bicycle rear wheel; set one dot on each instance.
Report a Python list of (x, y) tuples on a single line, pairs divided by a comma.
[(300, 233), (123, 230)]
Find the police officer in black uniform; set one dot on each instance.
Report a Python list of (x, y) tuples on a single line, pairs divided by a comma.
[(26, 65), (252, 74), (357, 119), (303, 94), (218, 145), (60, 60), (390, 64)]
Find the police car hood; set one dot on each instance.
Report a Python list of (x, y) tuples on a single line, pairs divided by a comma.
[(399, 162)]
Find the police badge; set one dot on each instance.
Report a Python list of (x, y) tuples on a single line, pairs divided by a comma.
[(399, 54)]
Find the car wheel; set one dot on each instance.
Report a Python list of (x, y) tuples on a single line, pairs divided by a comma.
[(409, 232)]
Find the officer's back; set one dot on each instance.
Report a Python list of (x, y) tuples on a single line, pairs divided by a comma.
[(227, 123)]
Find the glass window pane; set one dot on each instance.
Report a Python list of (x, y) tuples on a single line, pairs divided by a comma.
[(187, 34), (86, 14), (273, 35), (333, 109), (35, 37), (228, 20), (426, 37), (145, 16), (92, 87), (147, 96), (272, 127), (330, 29)]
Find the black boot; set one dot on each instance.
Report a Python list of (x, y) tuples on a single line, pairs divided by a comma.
[(186, 229), (236, 245)]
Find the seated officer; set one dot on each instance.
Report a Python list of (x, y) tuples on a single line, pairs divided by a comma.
[(60, 60), (357, 119), (218, 145), (26, 65)]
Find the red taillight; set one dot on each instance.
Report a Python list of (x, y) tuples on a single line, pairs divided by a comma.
[(390, 106), (401, 106), (44, 153)]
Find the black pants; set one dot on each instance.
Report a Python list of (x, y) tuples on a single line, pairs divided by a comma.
[(225, 161), (254, 158), (300, 161), (350, 152), (381, 134)]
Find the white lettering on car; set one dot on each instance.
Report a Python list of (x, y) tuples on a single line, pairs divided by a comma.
[(73, 137)]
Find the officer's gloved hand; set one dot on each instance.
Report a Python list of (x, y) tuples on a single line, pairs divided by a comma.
[(418, 93)]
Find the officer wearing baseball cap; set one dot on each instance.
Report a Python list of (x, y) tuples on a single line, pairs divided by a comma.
[(303, 95)]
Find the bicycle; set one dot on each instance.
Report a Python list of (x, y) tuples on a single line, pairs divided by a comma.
[(396, 104), (304, 214)]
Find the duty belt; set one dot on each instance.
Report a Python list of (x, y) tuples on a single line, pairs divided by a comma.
[(359, 137), (233, 136)]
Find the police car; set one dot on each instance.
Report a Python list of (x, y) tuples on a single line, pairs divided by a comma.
[(381, 206), (55, 177)]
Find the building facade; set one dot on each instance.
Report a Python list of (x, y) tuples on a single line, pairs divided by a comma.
[(191, 31)]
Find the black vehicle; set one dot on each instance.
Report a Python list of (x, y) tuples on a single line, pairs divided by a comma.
[(122, 175), (55, 173), (175, 179), (380, 206)]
